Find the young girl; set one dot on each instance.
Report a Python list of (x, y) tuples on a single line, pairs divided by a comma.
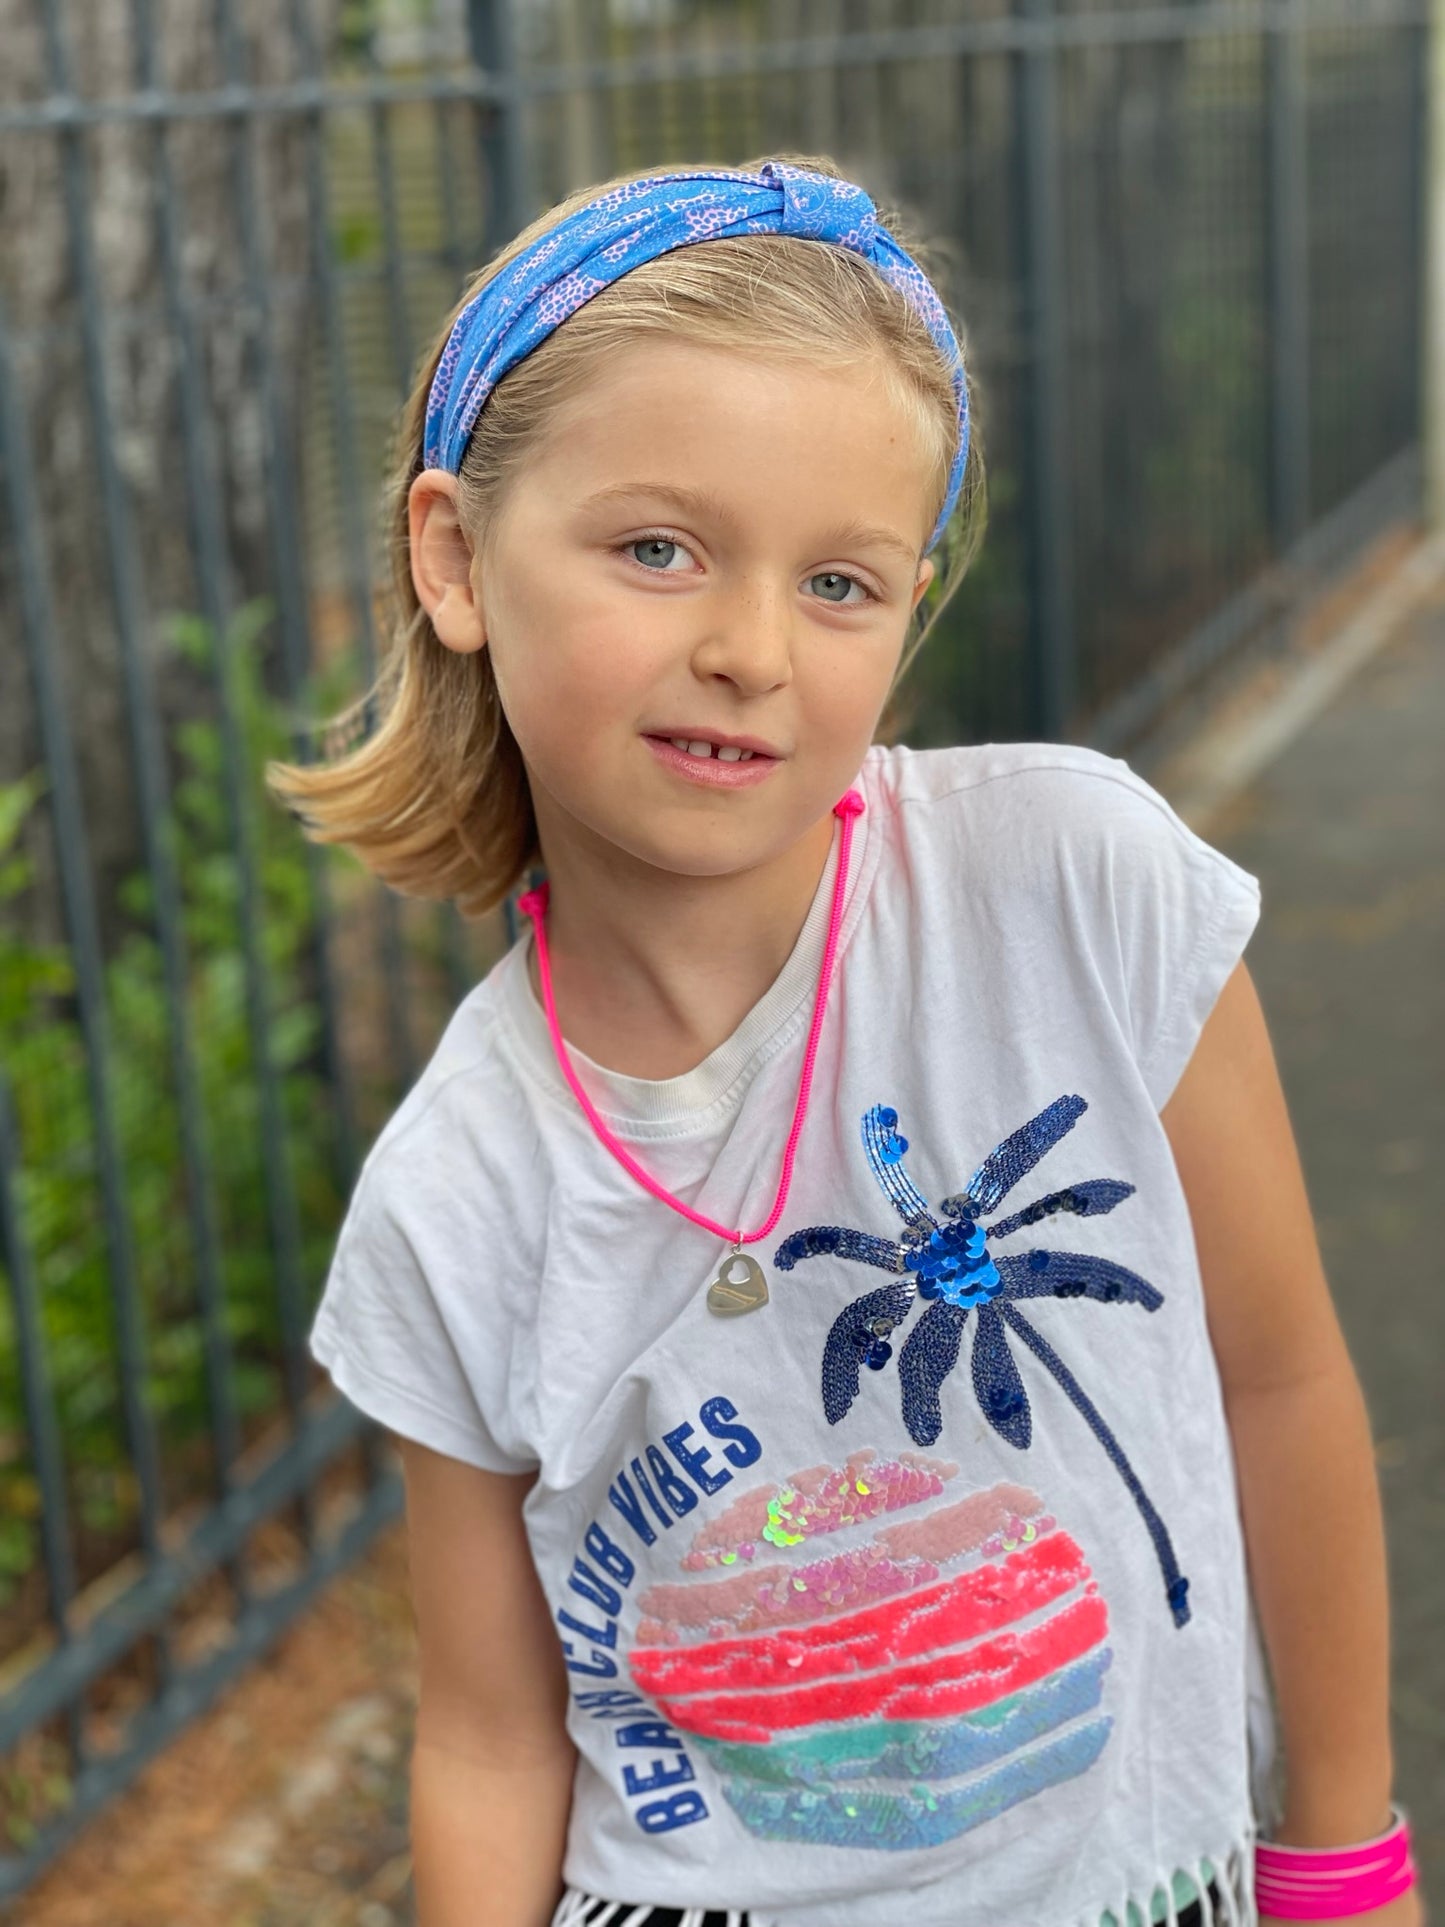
[(843, 1284)]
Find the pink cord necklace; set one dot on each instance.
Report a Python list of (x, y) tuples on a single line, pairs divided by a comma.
[(740, 1285)]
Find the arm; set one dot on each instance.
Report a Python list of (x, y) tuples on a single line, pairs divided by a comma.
[(1301, 1436), (492, 1769)]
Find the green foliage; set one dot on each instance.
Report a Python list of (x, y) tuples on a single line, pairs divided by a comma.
[(1210, 450), (43, 1054), (358, 235), (964, 684)]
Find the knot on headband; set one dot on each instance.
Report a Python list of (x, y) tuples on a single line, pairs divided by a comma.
[(819, 207), (536, 291)]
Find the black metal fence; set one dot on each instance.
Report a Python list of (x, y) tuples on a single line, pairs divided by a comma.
[(1185, 240)]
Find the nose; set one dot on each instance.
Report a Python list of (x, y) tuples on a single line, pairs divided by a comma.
[(748, 637)]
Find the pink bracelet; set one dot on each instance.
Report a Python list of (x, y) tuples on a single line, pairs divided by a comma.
[(1329, 1883)]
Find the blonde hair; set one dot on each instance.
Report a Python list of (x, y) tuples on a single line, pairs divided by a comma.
[(436, 800)]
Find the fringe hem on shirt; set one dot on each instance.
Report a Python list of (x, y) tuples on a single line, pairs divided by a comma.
[(1231, 1870)]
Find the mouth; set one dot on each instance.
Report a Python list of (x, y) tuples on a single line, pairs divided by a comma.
[(724, 749), (717, 764)]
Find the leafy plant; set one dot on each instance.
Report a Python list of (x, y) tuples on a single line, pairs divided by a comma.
[(42, 1049)]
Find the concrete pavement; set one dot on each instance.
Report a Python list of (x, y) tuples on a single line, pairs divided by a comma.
[(1346, 831)]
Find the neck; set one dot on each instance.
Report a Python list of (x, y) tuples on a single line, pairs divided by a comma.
[(652, 970)]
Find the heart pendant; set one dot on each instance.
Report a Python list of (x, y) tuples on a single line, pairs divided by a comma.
[(739, 1286)]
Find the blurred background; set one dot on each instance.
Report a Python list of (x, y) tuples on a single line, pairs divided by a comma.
[(1188, 242)]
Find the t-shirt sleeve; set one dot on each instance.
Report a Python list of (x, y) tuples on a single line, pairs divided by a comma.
[(407, 1334), (1179, 914)]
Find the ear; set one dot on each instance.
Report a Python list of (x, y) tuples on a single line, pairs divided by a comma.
[(926, 573), (441, 562)]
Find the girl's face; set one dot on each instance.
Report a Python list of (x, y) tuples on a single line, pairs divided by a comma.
[(704, 547)]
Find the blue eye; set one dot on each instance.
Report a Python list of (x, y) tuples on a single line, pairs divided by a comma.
[(837, 586), (653, 549)]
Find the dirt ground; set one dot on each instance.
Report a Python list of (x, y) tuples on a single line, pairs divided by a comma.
[(286, 1806)]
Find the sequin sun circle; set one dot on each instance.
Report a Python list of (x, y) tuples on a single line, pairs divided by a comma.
[(870, 1658)]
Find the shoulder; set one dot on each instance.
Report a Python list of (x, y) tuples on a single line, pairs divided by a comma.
[(442, 1172), (459, 1076), (423, 1320), (1036, 785), (1043, 812), (1080, 872)]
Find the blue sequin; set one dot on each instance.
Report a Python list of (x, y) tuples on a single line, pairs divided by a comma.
[(925, 1361), (824, 1239), (996, 1382), (1076, 1274), (955, 1266), (890, 1817), (1018, 1154), (1176, 1586), (1091, 1199), (874, 1316), (884, 1149)]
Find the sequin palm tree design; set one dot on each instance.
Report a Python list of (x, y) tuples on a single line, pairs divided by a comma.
[(950, 1266)]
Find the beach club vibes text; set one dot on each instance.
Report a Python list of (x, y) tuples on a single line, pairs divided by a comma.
[(649, 1496)]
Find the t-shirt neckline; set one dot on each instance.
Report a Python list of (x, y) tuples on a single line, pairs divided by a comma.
[(647, 1107)]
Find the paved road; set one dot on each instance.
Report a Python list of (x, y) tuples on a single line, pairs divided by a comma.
[(1346, 832)]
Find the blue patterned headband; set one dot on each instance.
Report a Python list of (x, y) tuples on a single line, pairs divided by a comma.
[(550, 280)]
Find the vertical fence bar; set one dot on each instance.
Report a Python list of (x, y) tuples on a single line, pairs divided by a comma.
[(453, 933), (398, 326), (121, 554), (209, 548), (403, 357), (452, 250), (1432, 319), (455, 959), (399, 331), (38, 627), (1288, 231), (283, 525), (354, 524), (284, 520), (1051, 601), (39, 1401), (492, 34), (281, 1202), (1415, 44), (323, 270)]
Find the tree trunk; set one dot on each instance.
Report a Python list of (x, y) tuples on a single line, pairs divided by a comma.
[(38, 286)]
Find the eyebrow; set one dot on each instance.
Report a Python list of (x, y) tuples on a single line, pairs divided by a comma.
[(696, 501)]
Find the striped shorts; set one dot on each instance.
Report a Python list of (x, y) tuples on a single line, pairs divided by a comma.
[(587, 1910)]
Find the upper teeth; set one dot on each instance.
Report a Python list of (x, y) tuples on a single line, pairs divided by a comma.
[(726, 754)]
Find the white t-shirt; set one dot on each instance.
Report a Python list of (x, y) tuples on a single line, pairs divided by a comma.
[(855, 1638)]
